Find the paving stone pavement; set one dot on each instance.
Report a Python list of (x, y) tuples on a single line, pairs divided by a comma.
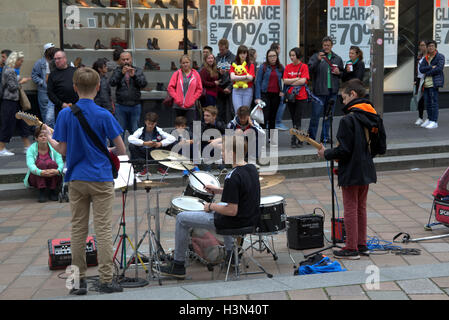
[(399, 202)]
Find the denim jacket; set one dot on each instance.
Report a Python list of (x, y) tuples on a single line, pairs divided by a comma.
[(39, 73), (263, 78)]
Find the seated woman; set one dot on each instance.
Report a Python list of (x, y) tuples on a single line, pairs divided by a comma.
[(45, 167)]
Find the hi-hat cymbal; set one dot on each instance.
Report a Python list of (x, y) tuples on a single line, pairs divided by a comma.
[(178, 165), (159, 155), (151, 184), (270, 181)]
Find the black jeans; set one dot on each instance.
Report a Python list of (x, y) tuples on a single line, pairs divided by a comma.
[(296, 109), (272, 101)]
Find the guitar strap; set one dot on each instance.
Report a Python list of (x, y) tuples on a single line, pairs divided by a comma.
[(93, 136)]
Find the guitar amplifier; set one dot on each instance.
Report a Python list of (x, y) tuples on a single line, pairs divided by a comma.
[(305, 232), (60, 254)]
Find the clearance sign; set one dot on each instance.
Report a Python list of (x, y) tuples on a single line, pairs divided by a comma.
[(349, 24), (253, 23), (441, 27)]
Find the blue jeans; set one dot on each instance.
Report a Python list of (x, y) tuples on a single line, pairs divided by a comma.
[(242, 97), (47, 108), (432, 103), (128, 117), (318, 111), (280, 113), (193, 219)]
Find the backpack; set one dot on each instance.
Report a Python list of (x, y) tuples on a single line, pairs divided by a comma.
[(376, 138), (206, 247)]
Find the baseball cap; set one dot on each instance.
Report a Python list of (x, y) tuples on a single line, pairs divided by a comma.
[(48, 46)]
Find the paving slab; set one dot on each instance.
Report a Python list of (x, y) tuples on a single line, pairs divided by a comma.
[(419, 286)]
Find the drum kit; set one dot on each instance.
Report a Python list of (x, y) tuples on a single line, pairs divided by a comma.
[(273, 218)]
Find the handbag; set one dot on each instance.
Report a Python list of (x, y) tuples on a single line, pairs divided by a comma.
[(257, 113), (115, 162), (23, 99)]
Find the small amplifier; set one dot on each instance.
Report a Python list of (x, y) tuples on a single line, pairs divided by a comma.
[(305, 232), (60, 254), (340, 233)]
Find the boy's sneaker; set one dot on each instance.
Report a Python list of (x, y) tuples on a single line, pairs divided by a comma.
[(82, 290), (345, 253), (363, 251), (6, 153), (162, 172), (110, 287), (173, 269), (142, 173)]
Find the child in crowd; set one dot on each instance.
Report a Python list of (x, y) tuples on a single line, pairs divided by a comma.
[(146, 139), (104, 97), (210, 122)]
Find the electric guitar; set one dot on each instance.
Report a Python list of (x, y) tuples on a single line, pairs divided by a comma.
[(304, 137), (32, 121)]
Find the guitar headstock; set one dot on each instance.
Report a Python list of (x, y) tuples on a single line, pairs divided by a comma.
[(30, 119), (300, 134)]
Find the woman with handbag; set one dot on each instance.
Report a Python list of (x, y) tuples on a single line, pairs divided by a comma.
[(185, 88), (269, 87), (11, 104), (296, 75)]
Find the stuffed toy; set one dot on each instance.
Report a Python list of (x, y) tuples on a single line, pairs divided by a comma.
[(240, 70)]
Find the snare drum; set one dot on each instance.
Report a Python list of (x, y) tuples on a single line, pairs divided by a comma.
[(272, 215), (181, 204), (196, 189)]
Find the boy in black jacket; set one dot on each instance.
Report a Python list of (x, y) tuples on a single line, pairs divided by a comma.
[(356, 168)]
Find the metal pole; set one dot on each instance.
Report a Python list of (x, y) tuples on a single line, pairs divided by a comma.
[(417, 7), (377, 57), (184, 25)]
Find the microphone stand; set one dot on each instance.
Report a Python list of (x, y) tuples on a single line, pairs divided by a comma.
[(330, 117)]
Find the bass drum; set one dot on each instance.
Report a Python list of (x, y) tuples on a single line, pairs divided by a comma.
[(196, 189), (181, 204), (272, 215)]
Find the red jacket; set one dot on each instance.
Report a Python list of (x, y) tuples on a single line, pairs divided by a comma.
[(175, 89)]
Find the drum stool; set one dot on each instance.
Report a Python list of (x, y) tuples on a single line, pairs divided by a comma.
[(236, 234)]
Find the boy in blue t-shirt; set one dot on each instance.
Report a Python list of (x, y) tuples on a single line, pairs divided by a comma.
[(90, 179)]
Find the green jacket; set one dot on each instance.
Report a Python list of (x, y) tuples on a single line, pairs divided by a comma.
[(32, 154)]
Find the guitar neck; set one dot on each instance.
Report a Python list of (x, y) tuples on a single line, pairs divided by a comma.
[(314, 143)]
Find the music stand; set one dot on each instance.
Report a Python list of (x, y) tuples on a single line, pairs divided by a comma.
[(123, 182), (329, 115)]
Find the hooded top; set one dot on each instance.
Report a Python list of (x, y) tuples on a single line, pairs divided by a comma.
[(355, 163)]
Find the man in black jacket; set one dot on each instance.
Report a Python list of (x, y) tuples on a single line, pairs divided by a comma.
[(326, 69), (356, 168), (60, 84), (129, 80)]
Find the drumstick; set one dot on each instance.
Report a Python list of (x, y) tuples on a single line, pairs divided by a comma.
[(193, 175)]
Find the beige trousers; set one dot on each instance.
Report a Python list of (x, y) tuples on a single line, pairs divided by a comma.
[(101, 195)]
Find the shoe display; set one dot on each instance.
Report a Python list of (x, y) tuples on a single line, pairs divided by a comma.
[(425, 123), (175, 4), (191, 4), (181, 45), (195, 65), (432, 125), (156, 44), (116, 4), (190, 25), (150, 44), (98, 3), (67, 2), (77, 46), (145, 3), (82, 3), (6, 153), (67, 46), (160, 4), (173, 66), (419, 122), (151, 65), (191, 45)]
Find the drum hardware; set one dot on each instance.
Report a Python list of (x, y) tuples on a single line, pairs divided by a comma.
[(198, 190), (185, 203)]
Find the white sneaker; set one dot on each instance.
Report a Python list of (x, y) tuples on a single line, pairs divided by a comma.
[(419, 122), (425, 123), (432, 125), (6, 153)]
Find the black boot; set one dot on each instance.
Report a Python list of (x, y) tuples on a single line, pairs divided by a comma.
[(156, 44), (160, 4), (54, 194), (150, 44), (98, 3), (43, 195)]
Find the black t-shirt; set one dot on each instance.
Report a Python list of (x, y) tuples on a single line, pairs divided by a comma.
[(241, 187)]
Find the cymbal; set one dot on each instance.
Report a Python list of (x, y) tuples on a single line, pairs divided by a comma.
[(151, 184), (159, 155), (177, 165), (270, 181)]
